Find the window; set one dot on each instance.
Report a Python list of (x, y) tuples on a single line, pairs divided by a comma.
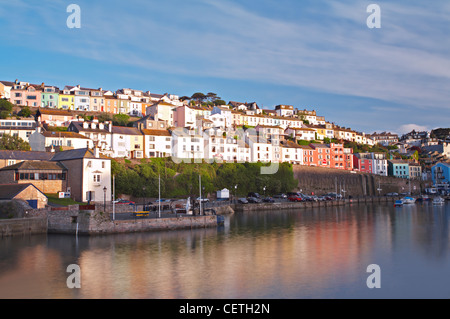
[(97, 178)]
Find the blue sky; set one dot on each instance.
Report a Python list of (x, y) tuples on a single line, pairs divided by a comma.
[(312, 54)]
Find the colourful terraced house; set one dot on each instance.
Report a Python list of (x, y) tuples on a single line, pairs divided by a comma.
[(66, 100), (25, 94), (50, 97)]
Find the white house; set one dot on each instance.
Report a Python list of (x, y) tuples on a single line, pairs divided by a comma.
[(284, 110), (99, 133), (127, 142), (89, 174), (162, 111), (291, 152), (19, 128), (221, 117), (187, 145), (41, 140), (82, 97), (157, 143), (301, 133)]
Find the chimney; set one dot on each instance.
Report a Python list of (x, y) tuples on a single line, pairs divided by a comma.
[(78, 86), (96, 151), (109, 126)]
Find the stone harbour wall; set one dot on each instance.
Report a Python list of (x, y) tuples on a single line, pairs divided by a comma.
[(22, 227)]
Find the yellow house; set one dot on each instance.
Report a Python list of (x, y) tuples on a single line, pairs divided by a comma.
[(127, 142), (66, 100)]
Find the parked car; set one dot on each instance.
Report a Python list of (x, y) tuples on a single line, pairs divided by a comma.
[(255, 195), (124, 201), (392, 194), (253, 200), (268, 200), (295, 198), (242, 201), (292, 194), (163, 200), (283, 196), (203, 200)]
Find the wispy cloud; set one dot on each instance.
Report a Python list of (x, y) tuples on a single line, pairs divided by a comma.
[(333, 51)]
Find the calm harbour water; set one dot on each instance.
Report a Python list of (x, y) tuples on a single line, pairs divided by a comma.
[(318, 253)]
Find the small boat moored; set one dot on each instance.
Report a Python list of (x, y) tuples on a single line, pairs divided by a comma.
[(408, 200), (438, 201), (398, 203)]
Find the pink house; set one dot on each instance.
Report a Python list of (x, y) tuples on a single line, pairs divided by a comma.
[(362, 163), (23, 93)]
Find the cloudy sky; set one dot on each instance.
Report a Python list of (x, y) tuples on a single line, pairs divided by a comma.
[(312, 54)]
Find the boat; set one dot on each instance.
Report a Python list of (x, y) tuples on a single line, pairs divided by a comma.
[(408, 200), (398, 203), (438, 201), (423, 198)]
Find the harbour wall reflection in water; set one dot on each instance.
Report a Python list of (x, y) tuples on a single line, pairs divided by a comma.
[(318, 253)]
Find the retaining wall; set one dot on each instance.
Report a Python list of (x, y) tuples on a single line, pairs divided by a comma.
[(22, 227)]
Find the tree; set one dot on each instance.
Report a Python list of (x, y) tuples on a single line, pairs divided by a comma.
[(104, 117), (212, 97), (5, 105), (121, 119), (4, 114), (199, 97), (220, 102), (185, 98), (25, 112), (13, 143)]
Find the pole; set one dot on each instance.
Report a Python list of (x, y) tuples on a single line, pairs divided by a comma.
[(200, 191), (159, 196), (114, 197)]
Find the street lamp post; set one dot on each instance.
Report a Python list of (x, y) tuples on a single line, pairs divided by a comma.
[(104, 198), (143, 204), (235, 193)]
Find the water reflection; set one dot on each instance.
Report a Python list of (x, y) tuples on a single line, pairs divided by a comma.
[(319, 253)]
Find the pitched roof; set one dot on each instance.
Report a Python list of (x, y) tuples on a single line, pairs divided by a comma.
[(9, 191), (125, 130), (35, 165), (63, 134), (25, 155), (156, 132), (289, 144), (319, 145), (76, 154), (54, 112), (7, 83), (78, 126)]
